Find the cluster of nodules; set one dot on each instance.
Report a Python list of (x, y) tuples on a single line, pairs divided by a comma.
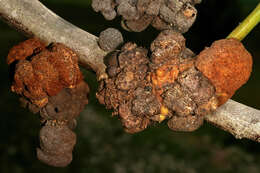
[(49, 81), (137, 15), (143, 91)]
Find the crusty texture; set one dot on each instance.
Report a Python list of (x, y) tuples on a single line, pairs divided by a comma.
[(106, 7), (137, 15), (45, 72), (26, 84), (227, 64), (142, 92), (50, 82), (65, 61), (167, 44), (173, 84), (127, 71), (25, 49)]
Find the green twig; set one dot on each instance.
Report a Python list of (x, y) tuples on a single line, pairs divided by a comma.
[(241, 31)]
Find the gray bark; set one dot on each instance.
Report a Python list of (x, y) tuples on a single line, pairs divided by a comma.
[(34, 19), (238, 119)]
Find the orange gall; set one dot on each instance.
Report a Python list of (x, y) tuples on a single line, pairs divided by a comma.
[(227, 64)]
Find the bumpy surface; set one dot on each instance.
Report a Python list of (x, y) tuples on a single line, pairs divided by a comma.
[(59, 118), (45, 73), (141, 91), (127, 71), (25, 49), (173, 83), (137, 15), (50, 82), (227, 64)]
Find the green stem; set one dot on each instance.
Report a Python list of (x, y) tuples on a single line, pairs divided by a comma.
[(241, 31)]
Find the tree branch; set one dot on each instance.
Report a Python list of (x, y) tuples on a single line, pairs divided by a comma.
[(34, 19), (238, 119)]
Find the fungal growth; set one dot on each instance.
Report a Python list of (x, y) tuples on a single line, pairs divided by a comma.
[(137, 15), (173, 83), (227, 65), (127, 71), (49, 81), (110, 39)]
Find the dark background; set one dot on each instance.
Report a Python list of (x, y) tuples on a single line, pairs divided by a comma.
[(102, 145)]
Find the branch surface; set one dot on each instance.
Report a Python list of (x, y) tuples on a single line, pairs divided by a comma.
[(35, 20), (240, 120)]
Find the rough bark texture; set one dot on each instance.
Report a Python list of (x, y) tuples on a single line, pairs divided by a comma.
[(33, 19), (238, 119)]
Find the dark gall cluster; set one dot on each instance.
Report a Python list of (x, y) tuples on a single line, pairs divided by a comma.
[(173, 83), (137, 15), (49, 81), (127, 71)]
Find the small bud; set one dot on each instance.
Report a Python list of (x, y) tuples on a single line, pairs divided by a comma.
[(110, 39)]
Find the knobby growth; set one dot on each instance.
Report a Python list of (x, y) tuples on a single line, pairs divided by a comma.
[(49, 81), (173, 83), (137, 15), (168, 83)]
